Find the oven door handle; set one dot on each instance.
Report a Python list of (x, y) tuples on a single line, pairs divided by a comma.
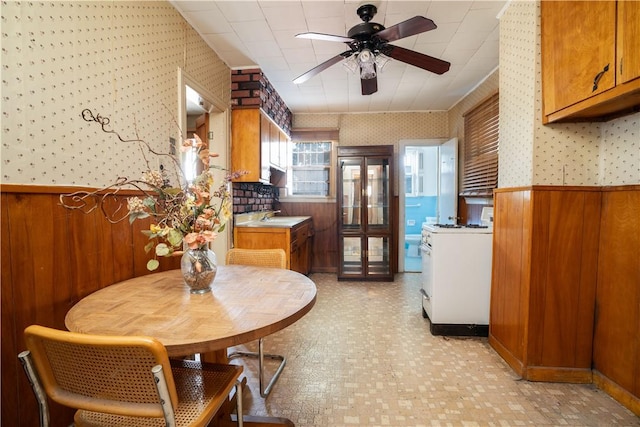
[(425, 295)]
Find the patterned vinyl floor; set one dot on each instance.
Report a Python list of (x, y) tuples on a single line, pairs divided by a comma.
[(364, 356)]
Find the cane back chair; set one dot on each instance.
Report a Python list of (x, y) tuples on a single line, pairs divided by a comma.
[(124, 381)]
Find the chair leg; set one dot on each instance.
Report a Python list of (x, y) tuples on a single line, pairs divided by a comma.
[(260, 355), (239, 417), (41, 397)]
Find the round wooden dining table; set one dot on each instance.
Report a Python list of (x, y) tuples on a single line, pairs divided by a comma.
[(246, 303)]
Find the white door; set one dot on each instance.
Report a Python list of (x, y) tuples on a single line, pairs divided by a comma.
[(448, 182)]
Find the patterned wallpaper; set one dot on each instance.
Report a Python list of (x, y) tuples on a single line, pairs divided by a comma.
[(558, 154), (620, 151), (119, 59), (379, 128)]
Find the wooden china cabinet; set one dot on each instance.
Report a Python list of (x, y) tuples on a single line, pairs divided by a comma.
[(365, 223)]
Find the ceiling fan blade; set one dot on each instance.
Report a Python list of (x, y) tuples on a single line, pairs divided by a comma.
[(416, 59), (369, 86), (317, 69), (324, 37), (410, 27)]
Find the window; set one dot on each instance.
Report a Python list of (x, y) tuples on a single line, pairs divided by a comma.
[(312, 159), (311, 168), (481, 149)]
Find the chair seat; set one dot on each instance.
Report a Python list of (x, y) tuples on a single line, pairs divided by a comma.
[(194, 399)]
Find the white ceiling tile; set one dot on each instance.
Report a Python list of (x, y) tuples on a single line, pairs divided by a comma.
[(252, 31), (287, 17), (264, 49), (240, 11), (445, 12), (261, 33)]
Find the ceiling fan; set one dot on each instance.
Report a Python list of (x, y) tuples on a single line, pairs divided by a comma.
[(369, 48)]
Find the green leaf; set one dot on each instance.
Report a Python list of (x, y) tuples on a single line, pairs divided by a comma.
[(174, 237), (149, 246), (137, 215), (152, 264), (150, 203), (162, 250), (221, 229), (172, 191)]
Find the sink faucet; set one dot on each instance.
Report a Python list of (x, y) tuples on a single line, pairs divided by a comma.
[(268, 214)]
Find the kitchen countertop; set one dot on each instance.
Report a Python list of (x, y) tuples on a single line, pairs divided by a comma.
[(271, 221)]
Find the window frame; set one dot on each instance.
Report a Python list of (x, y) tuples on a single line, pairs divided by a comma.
[(311, 136)]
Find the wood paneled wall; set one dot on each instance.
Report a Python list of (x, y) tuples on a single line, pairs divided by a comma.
[(616, 343), (324, 257), (566, 259), (51, 258), (544, 280)]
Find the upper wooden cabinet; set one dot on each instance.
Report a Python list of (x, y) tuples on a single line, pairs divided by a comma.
[(256, 144), (590, 59), (247, 149)]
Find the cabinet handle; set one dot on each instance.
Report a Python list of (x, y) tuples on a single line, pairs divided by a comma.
[(598, 76)]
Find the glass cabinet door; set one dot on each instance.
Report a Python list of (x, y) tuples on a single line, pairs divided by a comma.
[(351, 186), (377, 192), (352, 256), (378, 256)]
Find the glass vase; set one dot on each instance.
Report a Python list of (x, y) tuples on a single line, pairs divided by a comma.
[(199, 267)]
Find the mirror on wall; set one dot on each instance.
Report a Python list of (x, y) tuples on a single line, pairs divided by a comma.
[(202, 113), (197, 123)]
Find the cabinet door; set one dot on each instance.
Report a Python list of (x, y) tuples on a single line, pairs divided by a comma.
[(274, 153), (377, 194), (246, 144), (578, 51), (350, 193), (265, 146), (628, 41)]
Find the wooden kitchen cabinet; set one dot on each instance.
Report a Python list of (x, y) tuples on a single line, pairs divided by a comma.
[(257, 144), (543, 285), (296, 241), (590, 59), (248, 151)]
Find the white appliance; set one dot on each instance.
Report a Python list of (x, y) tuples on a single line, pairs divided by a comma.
[(456, 278)]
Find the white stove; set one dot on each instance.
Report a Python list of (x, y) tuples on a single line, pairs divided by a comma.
[(456, 278)]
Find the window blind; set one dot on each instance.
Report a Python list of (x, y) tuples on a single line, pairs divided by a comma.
[(481, 149)]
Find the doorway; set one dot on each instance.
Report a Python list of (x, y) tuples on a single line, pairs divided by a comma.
[(426, 193)]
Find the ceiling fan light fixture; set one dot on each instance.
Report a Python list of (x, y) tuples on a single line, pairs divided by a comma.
[(351, 64), (366, 57), (381, 61), (368, 70), (367, 61)]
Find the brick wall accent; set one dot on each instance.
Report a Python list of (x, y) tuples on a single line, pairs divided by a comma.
[(253, 197), (250, 88)]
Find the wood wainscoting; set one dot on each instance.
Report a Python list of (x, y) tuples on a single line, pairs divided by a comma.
[(565, 293), (324, 250), (51, 258), (616, 341)]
